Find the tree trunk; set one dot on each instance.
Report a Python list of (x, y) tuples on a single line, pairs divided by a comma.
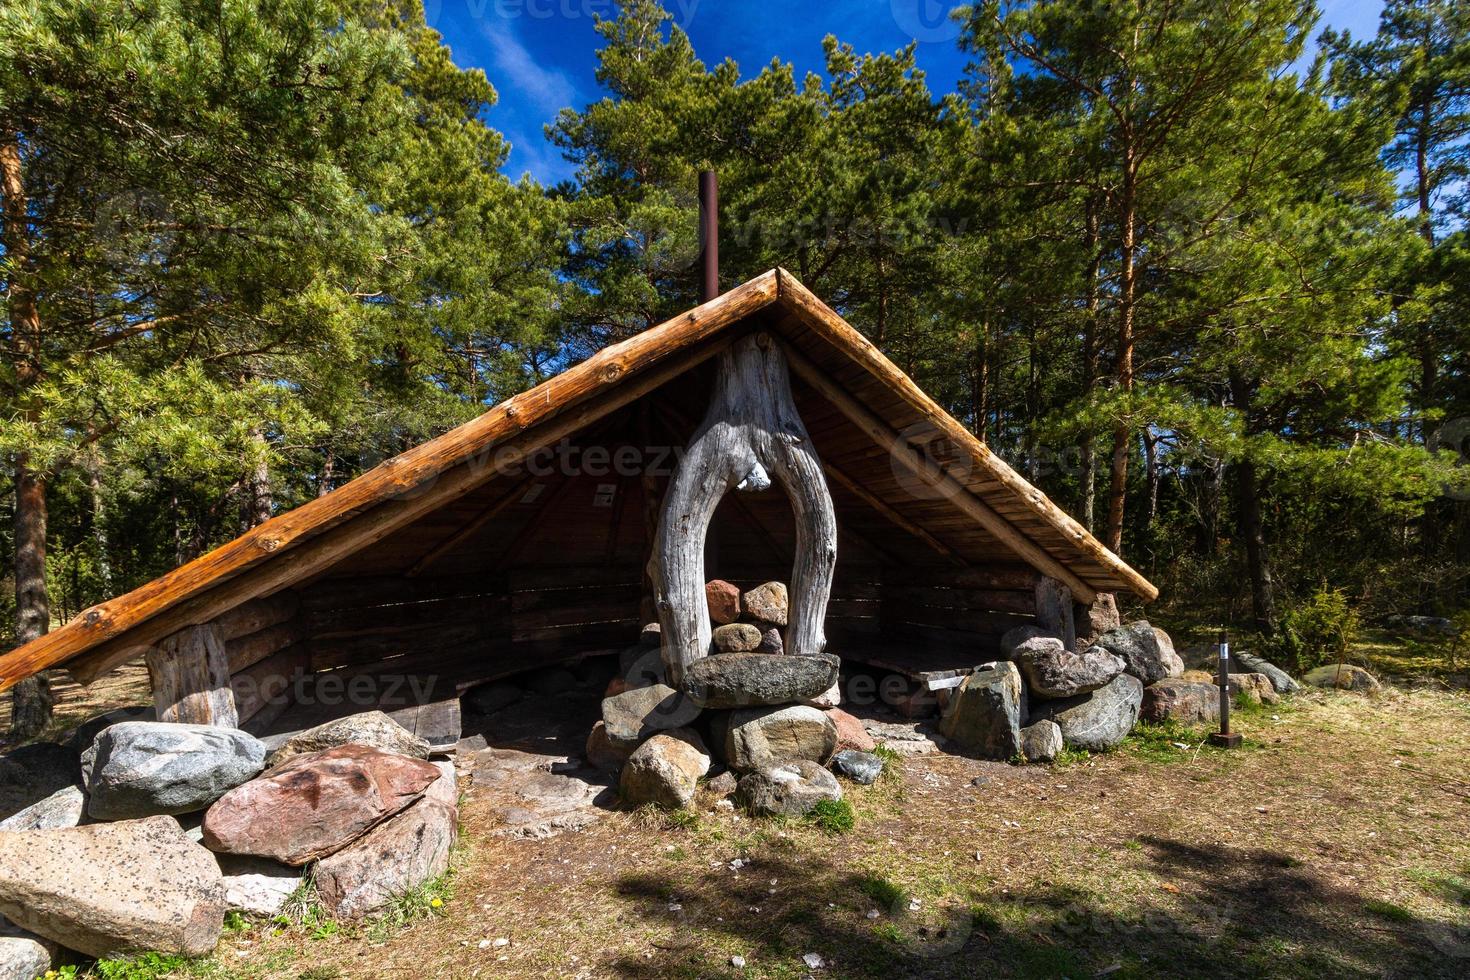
[(1251, 526), (1087, 478), (259, 502), (31, 698), (751, 429), (1127, 292), (1151, 481)]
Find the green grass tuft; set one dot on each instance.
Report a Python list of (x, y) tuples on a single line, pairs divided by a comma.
[(1388, 910), (832, 816)]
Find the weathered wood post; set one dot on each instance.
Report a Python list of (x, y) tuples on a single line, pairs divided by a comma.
[(190, 676), (750, 434)]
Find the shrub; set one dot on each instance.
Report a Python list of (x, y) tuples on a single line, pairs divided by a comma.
[(1315, 631)]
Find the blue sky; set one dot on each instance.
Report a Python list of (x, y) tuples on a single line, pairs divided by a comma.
[(541, 54)]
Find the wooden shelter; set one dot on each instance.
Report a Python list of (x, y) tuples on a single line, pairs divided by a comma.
[(523, 537)]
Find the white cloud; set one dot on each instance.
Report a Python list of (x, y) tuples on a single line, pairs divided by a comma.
[(515, 67)]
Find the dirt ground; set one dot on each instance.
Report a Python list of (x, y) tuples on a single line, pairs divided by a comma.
[(1336, 843)]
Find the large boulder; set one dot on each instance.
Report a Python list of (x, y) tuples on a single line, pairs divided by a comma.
[(149, 768), (1250, 663), (790, 789), (1098, 618), (24, 955), (1097, 721), (109, 888), (985, 712), (851, 734), (1176, 699), (767, 603), (601, 753), (82, 737), (63, 808), (723, 600), (33, 772), (394, 857), (1147, 653), (370, 728), (755, 738), (1041, 741), (737, 638), (256, 885), (1255, 688), (665, 770), (634, 716), (1053, 671), (1012, 638), (316, 804), (1343, 677), (740, 680)]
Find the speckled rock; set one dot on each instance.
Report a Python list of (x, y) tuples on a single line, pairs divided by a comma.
[(738, 680), (63, 808), (767, 603), (150, 768), (601, 753), (755, 738), (984, 713), (789, 789), (635, 715), (1256, 688), (771, 641), (24, 955), (371, 728), (723, 600), (851, 734), (1053, 671), (256, 885), (863, 768), (736, 638), (1147, 652), (665, 770), (1041, 741), (1344, 677), (1097, 721), (109, 888), (1176, 699)]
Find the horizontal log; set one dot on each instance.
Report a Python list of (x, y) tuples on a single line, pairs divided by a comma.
[(385, 590), (415, 641), (257, 614), (966, 620), (570, 599), (328, 624), (593, 634), (995, 600), (1017, 577), (267, 686), (246, 651)]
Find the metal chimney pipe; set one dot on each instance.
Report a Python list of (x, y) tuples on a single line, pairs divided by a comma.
[(709, 236)]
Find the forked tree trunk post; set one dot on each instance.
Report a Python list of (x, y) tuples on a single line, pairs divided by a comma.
[(751, 434)]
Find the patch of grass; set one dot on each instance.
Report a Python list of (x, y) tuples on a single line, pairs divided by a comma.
[(884, 893), (1071, 756), (428, 900), (832, 816), (1442, 884), (148, 966), (1160, 742), (1388, 910)]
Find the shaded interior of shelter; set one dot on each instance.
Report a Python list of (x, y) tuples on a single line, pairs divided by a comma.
[(545, 564)]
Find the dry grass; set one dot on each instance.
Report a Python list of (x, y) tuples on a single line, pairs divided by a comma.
[(1337, 843)]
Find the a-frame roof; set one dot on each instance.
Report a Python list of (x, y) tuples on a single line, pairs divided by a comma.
[(826, 353)]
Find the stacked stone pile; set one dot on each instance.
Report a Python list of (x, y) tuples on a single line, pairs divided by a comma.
[(104, 864), (767, 717)]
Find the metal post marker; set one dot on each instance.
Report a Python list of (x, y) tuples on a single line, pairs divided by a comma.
[(1225, 738)]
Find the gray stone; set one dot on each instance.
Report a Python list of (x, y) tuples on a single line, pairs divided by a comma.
[(1096, 721), (1017, 635), (63, 808), (651, 636), (767, 603), (490, 698), (1250, 663), (601, 753), (1177, 699), (1095, 620), (722, 785), (24, 955), (1053, 671), (635, 715), (395, 857), (1147, 653), (984, 713), (739, 680), (111, 888), (755, 738), (1344, 677), (1256, 688), (371, 728), (736, 638), (830, 698), (860, 767), (771, 642), (1041, 741), (33, 772), (665, 770), (257, 885), (641, 667), (790, 789), (148, 768)]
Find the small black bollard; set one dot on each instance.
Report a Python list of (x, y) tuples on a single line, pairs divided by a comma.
[(1225, 738)]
